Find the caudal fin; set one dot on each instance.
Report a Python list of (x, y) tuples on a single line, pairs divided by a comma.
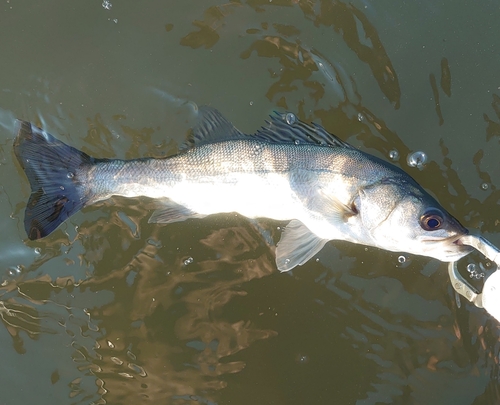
[(54, 171)]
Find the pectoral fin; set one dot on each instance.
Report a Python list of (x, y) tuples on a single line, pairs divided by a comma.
[(296, 246), (336, 211), (171, 212)]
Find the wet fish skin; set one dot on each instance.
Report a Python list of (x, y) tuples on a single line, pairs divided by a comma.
[(288, 170)]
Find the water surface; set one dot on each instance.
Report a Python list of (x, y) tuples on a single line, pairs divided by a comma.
[(112, 310)]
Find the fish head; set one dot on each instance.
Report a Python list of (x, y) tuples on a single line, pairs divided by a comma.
[(401, 217)]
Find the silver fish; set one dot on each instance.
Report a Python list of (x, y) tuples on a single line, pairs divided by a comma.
[(287, 170)]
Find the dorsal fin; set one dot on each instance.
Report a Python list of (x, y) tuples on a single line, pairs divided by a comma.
[(287, 128), (212, 127)]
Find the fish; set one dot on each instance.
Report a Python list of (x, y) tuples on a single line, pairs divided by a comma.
[(288, 170)]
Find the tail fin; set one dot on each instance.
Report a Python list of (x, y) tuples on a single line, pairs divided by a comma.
[(54, 171)]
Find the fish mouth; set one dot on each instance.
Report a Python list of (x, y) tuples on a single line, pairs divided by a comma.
[(450, 249), (466, 249), (458, 242)]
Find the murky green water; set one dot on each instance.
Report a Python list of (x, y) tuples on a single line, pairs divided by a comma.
[(111, 309)]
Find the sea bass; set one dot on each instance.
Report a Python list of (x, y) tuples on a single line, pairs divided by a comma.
[(288, 171)]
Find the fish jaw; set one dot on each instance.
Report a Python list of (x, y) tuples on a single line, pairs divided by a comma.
[(444, 250)]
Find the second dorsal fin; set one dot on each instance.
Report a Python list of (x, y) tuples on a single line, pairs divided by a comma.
[(287, 128)]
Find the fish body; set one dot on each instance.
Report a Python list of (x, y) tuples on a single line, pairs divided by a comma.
[(288, 170)]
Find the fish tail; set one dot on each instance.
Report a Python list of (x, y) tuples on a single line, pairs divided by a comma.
[(56, 173)]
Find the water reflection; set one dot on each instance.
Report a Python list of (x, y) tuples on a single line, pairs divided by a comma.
[(493, 129), (169, 316), (435, 92), (175, 312), (207, 35), (445, 77)]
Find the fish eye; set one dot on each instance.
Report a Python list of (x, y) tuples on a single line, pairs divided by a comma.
[(431, 220)]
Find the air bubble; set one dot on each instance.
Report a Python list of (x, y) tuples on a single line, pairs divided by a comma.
[(484, 186), (361, 117), (70, 175), (403, 262), (38, 250), (107, 4), (473, 272), (290, 118), (296, 142), (287, 261), (417, 159), (394, 155), (251, 102), (188, 261)]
